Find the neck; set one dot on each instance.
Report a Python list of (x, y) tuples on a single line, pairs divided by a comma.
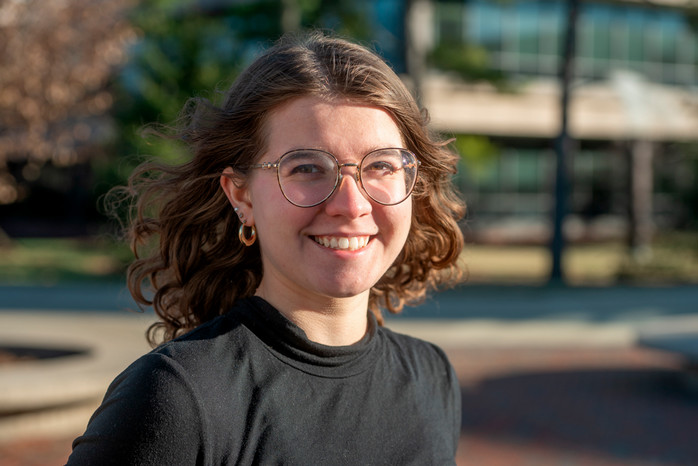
[(328, 321)]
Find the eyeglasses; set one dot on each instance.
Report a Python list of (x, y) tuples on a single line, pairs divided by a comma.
[(308, 177)]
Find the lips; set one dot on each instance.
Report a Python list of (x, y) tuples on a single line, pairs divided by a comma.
[(346, 243)]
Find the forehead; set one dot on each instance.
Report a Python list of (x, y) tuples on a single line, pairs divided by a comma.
[(339, 126)]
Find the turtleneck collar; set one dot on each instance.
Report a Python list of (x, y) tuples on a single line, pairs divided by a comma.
[(289, 343)]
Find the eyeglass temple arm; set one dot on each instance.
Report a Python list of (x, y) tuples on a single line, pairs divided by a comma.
[(268, 165), (265, 165)]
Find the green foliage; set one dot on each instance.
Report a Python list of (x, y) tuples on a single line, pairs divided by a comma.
[(673, 259), (477, 153), (50, 261), (468, 61), (347, 18), (185, 50)]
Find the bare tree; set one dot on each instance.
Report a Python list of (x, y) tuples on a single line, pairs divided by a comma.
[(56, 58)]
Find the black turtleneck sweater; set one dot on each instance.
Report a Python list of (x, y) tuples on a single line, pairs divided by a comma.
[(249, 388)]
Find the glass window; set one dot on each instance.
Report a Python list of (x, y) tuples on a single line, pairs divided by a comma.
[(635, 36), (509, 170), (550, 37), (585, 47), (525, 36), (510, 30), (527, 23), (484, 176), (619, 43), (529, 171), (670, 30), (449, 23), (601, 34), (490, 28), (583, 166), (653, 43), (550, 27)]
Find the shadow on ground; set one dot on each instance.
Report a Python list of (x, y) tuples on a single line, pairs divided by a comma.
[(635, 416)]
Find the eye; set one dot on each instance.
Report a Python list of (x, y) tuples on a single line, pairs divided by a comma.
[(306, 165), (383, 167), (307, 169)]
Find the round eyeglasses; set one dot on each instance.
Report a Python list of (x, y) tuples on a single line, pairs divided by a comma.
[(308, 177)]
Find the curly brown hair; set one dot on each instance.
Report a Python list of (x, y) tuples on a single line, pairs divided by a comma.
[(194, 270)]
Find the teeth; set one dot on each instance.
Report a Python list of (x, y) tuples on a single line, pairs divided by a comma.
[(342, 242)]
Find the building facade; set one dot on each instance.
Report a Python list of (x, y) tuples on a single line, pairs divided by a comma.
[(633, 113)]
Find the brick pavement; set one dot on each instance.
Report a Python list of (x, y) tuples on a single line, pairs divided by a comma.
[(575, 407), (613, 406)]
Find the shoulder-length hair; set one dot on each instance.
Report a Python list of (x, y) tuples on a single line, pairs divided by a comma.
[(195, 268)]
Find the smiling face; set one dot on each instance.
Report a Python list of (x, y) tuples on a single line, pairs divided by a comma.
[(342, 247)]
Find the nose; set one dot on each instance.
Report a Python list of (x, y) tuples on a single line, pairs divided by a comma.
[(348, 199)]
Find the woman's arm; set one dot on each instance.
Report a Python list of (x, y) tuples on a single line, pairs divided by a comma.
[(150, 415)]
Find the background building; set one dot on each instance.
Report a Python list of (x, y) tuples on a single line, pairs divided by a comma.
[(493, 83), (486, 70)]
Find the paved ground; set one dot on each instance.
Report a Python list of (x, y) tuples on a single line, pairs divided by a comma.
[(568, 388), (527, 406), (575, 406)]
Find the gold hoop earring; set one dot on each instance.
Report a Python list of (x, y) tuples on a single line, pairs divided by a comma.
[(247, 240)]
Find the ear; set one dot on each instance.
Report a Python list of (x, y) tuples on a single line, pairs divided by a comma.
[(238, 195)]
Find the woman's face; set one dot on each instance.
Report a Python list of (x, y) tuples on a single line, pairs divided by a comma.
[(364, 237)]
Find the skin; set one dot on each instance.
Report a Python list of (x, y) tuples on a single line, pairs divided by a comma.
[(323, 290)]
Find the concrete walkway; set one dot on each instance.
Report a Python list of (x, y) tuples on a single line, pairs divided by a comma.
[(52, 396), (56, 396)]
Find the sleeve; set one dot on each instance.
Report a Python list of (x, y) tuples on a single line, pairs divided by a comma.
[(150, 415), (456, 406), (451, 397)]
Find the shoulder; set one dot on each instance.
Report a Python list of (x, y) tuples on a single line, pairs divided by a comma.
[(212, 340), (429, 373), (152, 399), (413, 346), (190, 364), (418, 355)]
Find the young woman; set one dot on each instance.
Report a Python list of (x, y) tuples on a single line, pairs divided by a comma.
[(315, 197)]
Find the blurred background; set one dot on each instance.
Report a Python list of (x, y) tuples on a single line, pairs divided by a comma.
[(577, 126), (579, 158)]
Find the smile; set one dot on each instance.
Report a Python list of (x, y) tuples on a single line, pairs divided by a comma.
[(351, 243)]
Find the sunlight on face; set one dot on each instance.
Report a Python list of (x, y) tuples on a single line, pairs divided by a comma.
[(343, 246)]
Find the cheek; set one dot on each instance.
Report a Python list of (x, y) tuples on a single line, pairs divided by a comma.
[(263, 187), (401, 221), (280, 221), (407, 226), (266, 199)]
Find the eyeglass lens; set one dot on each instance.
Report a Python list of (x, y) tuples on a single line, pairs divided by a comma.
[(308, 177)]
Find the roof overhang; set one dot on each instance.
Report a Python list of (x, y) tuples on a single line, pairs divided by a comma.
[(622, 108)]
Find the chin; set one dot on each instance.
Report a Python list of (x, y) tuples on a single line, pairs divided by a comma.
[(340, 292)]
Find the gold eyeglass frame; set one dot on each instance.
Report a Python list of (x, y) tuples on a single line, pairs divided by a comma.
[(339, 175)]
